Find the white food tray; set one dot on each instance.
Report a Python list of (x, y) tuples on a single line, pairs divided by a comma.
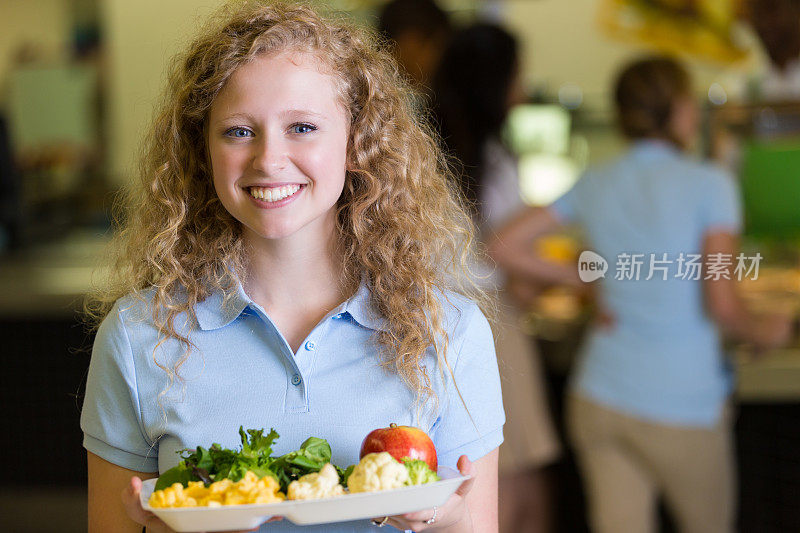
[(362, 505)]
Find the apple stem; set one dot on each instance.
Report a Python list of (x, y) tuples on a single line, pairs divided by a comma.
[(392, 425)]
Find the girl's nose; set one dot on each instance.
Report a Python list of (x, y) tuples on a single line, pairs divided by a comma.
[(269, 156)]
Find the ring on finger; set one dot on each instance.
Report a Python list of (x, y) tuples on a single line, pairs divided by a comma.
[(432, 519), (380, 523)]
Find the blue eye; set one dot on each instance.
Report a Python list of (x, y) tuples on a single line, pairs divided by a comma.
[(238, 133), (303, 128)]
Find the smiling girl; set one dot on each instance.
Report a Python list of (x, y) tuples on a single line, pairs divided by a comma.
[(295, 257)]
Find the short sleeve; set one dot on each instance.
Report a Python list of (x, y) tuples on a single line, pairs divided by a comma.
[(110, 419), (722, 209), (478, 430)]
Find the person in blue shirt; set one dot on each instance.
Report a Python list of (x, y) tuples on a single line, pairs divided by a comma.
[(295, 257), (647, 406)]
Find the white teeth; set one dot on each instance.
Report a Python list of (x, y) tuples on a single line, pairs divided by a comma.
[(273, 194)]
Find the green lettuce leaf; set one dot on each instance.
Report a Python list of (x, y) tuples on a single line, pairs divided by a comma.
[(178, 474), (216, 463), (344, 474), (313, 454)]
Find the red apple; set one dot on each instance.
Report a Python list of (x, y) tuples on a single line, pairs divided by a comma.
[(401, 442)]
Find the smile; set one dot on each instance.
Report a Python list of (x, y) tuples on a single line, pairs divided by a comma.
[(274, 194)]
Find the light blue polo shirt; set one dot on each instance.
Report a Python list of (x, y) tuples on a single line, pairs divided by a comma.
[(242, 371), (662, 361)]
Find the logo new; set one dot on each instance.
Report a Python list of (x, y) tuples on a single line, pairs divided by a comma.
[(591, 266)]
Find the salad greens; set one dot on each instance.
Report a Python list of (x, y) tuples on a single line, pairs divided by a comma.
[(216, 463), (313, 454), (346, 474)]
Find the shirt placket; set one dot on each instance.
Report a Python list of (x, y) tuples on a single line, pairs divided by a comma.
[(299, 366)]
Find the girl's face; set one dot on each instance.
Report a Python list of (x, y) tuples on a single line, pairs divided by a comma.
[(277, 138)]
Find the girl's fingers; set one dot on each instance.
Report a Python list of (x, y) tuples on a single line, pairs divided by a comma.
[(400, 524), (466, 468), (403, 524), (464, 465), (130, 499), (423, 516), (417, 520), (133, 506)]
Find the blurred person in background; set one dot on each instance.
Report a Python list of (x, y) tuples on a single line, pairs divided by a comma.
[(420, 29), (648, 411), (477, 83)]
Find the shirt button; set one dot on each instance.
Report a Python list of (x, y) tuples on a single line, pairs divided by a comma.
[(296, 379), (311, 346)]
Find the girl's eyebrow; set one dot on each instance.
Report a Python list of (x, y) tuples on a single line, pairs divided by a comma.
[(302, 112), (289, 112), (238, 116)]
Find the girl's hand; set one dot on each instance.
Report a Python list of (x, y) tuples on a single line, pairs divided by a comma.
[(452, 513), (133, 506)]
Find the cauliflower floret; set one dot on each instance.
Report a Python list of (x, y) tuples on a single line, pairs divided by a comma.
[(323, 484), (377, 471)]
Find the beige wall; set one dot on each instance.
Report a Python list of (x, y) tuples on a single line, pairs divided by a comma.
[(141, 38), (563, 44), (44, 23)]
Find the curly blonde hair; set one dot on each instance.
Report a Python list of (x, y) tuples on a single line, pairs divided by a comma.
[(402, 226)]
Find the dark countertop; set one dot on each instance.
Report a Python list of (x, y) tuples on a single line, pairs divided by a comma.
[(49, 280)]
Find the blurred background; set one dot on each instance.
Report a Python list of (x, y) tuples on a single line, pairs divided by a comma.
[(78, 82)]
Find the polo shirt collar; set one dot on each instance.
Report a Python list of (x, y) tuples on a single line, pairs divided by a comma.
[(653, 148), (215, 312), (360, 307)]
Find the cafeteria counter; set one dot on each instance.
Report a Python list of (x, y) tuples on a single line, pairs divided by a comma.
[(50, 280)]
